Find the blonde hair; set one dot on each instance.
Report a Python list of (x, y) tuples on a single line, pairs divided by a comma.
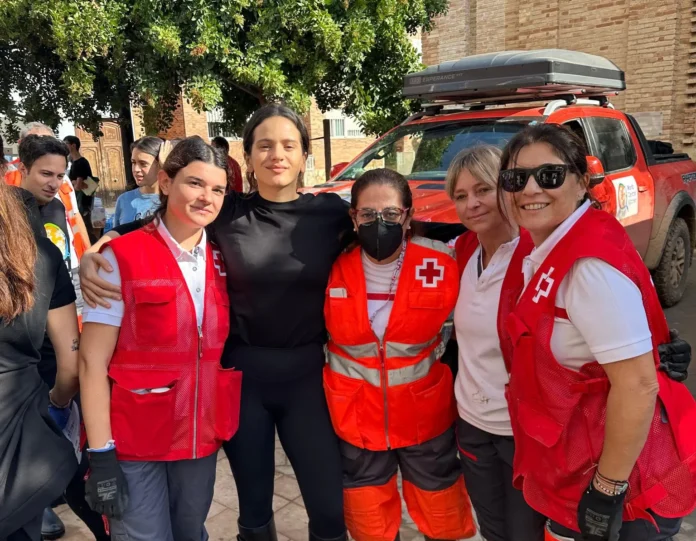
[(482, 161)]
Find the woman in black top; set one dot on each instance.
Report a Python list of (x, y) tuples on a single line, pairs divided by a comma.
[(278, 248), (36, 294)]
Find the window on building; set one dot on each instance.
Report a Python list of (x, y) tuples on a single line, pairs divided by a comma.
[(338, 127), (614, 146), (216, 126), (343, 126)]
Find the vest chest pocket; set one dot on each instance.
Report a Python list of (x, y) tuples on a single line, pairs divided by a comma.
[(338, 307), (156, 316), (428, 300)]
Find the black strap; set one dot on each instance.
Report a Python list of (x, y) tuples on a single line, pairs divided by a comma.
[(479, 263)]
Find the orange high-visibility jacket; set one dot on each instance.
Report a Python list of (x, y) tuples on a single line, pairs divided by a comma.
[(394, 393)]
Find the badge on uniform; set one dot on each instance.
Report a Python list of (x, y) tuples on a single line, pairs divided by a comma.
[(218, 262), (430, 273), (338, 293)]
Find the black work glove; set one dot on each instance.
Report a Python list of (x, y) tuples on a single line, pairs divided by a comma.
[(106, 490), (675, 357), (600, 516)]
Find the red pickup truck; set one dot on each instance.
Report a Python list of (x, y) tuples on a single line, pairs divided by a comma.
[(651, 193)]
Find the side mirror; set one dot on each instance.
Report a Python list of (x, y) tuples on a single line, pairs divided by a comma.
[(596, 171), (337, 169)]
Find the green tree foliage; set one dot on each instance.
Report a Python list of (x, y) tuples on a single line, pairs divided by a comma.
[(79, 57)]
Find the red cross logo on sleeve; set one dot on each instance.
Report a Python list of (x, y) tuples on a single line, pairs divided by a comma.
[(430, 273)]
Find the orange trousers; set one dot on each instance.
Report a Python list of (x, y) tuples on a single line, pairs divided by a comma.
[(433, 489)]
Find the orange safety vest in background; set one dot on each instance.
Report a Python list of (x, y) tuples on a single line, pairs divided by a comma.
[(395, 393)]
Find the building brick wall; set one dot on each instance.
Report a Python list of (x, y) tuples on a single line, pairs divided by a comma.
[(343, 149), (653, 41)]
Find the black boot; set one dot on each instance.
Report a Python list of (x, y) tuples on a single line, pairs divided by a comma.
[(51, 525), (342, 537), (262, 533)]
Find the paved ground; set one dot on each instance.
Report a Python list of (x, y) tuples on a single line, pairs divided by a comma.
[(290, 516)]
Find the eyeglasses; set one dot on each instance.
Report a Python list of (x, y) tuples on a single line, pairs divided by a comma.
[(390, 215), (548, 176)]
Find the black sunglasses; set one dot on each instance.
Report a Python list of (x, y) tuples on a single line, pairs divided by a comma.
[(548, 176)]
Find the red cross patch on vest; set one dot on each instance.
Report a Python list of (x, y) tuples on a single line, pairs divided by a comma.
[(430, 273), (219, 264)]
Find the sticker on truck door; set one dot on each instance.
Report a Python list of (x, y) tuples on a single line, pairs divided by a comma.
[(626, 197)]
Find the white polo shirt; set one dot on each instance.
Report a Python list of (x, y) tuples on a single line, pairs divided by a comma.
[(192, 265), (607, 322), (607, 319), (482, 376)]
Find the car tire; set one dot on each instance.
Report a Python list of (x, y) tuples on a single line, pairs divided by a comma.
[(672, 273)]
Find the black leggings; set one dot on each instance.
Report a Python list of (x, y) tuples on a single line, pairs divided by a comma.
[(298, 410)]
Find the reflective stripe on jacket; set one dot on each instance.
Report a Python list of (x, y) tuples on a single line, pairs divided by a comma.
[(393, 393)]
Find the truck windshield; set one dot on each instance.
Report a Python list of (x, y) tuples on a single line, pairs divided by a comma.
[(424, 151)]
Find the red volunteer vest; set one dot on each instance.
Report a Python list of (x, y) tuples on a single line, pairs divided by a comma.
[(464, 248), (159, 346), (558, 415), (395, 393)]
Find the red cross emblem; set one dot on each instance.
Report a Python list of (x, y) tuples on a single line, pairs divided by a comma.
[(546, 279), (430, 273), (219, 263)]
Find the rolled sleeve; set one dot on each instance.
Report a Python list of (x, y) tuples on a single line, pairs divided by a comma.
[(607, 309), (108, 316)]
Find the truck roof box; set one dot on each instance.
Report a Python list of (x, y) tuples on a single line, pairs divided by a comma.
[(509, 76)]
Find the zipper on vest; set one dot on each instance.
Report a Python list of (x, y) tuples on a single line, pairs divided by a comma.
[(385, 383), (195, 405)]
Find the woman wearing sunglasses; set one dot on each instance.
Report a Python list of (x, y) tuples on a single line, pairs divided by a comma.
[(604, 441), (389, 395)]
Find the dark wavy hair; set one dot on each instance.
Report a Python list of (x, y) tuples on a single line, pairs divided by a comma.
[(564, 143)]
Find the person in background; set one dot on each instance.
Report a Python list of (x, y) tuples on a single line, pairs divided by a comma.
[(142, 202), (157, 405), (43, 161), (389, 394), (234, 171), (484, 430), (604, 440), (36, 460), (80, 171), (13, 177)]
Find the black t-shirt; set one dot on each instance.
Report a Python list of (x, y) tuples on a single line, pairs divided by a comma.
[(56, 226), (278, 257), (27, 437), (80, 168)]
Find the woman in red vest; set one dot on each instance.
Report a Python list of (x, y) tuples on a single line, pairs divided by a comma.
[(389, 396), (157, 404), (484, 430), (605, 444)]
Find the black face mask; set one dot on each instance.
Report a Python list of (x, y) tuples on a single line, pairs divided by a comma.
[(380, 239)]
